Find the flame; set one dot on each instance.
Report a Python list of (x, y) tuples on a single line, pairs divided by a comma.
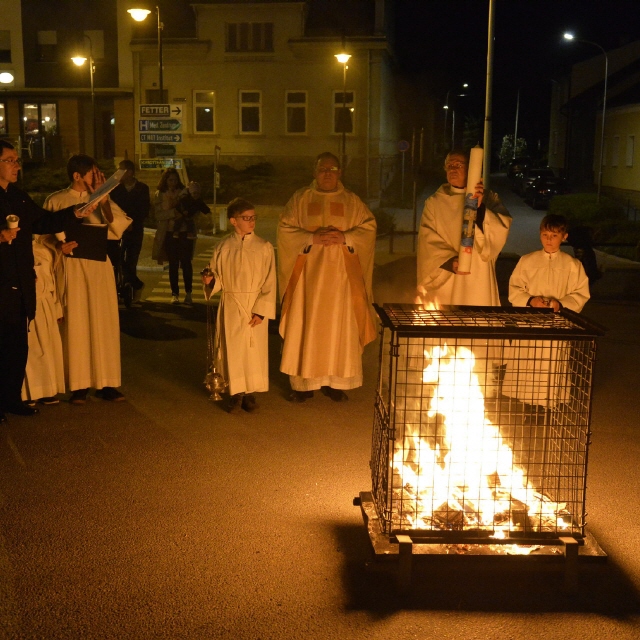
[(465, 475), (425, 301)]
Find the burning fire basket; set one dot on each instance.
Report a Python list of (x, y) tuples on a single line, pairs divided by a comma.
[(481, 433)]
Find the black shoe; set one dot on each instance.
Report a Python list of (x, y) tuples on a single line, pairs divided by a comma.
[(21, 409), (337, 395), (232, 403), (110, 393), (249, 404), (79, 396), (300, 396)]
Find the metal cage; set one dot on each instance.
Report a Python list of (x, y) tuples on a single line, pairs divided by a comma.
[(482, 424)]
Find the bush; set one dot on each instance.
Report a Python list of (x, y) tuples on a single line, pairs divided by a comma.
[(581, 209)]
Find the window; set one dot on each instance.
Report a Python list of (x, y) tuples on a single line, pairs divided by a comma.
[(631, 143), (343, 111), (204, 109), (5, 45), (296, 114), (47, 46), (3, 119), (39, 121), (250, 112), (615, 152), (249, 36)]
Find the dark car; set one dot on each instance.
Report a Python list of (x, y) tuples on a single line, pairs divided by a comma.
[(524, 179), (542, 188)]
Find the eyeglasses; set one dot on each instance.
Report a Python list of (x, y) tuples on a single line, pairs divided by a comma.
[(328, 169), (248, 218), (455, 165), (12, 161)]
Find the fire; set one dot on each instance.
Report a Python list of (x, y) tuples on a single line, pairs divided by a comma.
[(464, 474)]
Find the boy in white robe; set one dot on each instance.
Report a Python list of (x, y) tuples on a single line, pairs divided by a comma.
[(91, 331), (243, 269), (546, 279), (44, 375)]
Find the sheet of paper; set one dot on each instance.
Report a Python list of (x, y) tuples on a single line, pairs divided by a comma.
[(108, 186)]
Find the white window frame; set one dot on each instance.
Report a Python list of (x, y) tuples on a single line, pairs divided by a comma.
[(338, 105), (197, 104), (296, 105), (631, 144), (615, 152), (249, 105)]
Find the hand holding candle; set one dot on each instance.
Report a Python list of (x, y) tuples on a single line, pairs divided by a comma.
[(12, 223), (471, 201), (66, 247)]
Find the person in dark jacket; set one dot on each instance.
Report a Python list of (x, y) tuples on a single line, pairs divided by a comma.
[(132, 196), (17, 276)]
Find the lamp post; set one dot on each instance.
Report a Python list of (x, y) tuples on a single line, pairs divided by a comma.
[(453, 115), (343, 58), (570, 36), (79, 61), (139, 15)]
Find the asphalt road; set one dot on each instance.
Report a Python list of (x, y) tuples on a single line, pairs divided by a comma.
[(165, 517)]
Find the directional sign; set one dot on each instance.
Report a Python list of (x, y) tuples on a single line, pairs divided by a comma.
[(161, 163), (161, 110), (160, 124), (165, 150), (171, 138)]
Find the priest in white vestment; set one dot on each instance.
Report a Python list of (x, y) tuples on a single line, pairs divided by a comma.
[(439, 242), (44, 375), (326, 246), (243, 269), (91, 329)]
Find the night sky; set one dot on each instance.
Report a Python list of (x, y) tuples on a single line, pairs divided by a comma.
[(447, 39)]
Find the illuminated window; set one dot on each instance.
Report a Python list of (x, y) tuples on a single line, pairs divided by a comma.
[(631, 143), (296, 114), (47, 43), (204, 109), (250, 112), (39, 123), (5, 45), (343, 111), (249, 36)]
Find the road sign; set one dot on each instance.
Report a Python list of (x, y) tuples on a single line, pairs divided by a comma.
[(165, 150), (171, 138), (403, 146), (161, 163), (161, 110), (160, 124)]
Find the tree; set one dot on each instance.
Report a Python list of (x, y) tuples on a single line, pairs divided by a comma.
[(506, 152)]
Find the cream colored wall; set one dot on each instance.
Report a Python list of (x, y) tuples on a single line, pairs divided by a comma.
[(622, 122), (11, 19)]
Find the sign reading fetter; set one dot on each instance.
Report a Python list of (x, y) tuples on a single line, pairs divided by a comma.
[(161, 110)]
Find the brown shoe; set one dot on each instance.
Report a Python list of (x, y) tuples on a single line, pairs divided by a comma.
[(79, 396), (300, 396), (249, 403)]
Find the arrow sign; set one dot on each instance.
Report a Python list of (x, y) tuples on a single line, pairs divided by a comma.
[(161, 110), (171, 138), (160, 124), (176, 111)]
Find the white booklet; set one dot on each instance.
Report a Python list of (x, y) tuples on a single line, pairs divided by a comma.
[(108, 186)]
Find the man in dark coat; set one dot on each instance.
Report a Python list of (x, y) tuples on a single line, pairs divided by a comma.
[(17, 276)]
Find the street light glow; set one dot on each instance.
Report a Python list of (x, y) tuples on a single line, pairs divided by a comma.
[(568, 36), (138, 14), (79, 60), (343, 58), (6, 77)]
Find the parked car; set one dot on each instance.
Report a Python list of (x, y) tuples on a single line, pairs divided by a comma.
[(524, 179), (542, 188), (518, 165)]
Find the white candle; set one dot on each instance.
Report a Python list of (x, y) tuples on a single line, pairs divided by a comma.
[(474, 174)]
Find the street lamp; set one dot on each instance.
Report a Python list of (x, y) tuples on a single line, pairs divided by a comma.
[(6, 77), (79, 61), (453, 114), (139, 15), (570, 36), (343, 58)]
